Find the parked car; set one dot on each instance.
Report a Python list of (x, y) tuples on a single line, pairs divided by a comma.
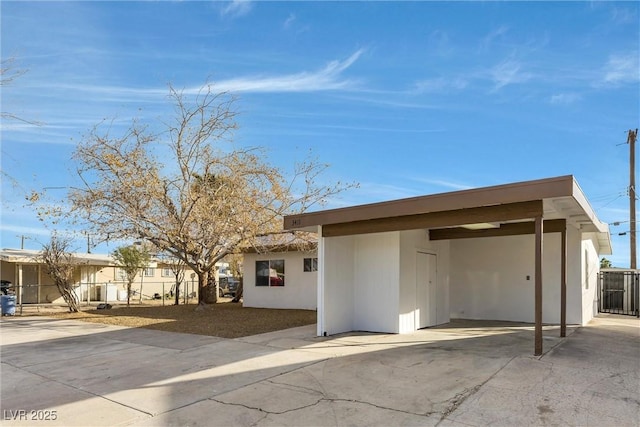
[(233, 285), (228, 286)]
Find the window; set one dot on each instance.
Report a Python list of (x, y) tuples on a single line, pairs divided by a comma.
[(270, 273), (166, 272), (121, 275), (149, 272), (310, 264)]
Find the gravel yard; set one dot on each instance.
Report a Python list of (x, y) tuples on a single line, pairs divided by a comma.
[(225, 319)]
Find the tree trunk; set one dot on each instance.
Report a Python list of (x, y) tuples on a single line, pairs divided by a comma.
[(69, 297), (177, 293), (203, 287), (128, 293), (239, 290)]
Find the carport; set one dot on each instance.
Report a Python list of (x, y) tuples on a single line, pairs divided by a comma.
[(397, 266)]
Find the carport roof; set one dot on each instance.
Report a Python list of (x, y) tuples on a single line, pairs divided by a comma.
[(559, 197)]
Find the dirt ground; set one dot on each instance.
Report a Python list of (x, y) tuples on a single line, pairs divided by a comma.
[(224, 319)]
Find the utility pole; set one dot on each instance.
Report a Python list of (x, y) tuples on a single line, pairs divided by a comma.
[(631, 140)]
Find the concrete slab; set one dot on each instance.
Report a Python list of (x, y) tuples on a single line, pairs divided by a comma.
[(592, 379), (466, 373), (28, 399)]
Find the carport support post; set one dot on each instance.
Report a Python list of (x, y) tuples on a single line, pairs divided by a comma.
[(563, 283), (320, 327), (538, 290)]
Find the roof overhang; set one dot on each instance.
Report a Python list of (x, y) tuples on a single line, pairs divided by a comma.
[(293, 241), (557, 198), (26, 256)]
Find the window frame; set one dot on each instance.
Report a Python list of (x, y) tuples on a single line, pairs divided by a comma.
[(270, 281), (310, 264)]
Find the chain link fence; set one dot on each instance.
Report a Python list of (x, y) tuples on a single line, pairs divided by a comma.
[(108, 293)]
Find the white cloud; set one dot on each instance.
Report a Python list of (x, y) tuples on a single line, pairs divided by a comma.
[(565, 98), (372, 192), (621, 15), (237, 8), (487, 41), (508, 72), (26, 231), (289, 21), (441, 84), (444, 183), (328, 78), (622, 68)]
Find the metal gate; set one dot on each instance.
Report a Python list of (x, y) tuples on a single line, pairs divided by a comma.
[(619, 292)]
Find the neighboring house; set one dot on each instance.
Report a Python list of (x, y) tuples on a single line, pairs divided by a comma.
[(525, 251), (34, 286), (97, 278), (281, 272)]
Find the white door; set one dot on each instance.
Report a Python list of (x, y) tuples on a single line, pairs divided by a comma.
[(87, 283), (426, 288)]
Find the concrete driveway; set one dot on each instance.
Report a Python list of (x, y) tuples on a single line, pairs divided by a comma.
[(467, 373)]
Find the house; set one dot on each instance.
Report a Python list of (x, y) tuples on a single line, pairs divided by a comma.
[(526, 251), (33, 285), (281, 272), (97, 278)]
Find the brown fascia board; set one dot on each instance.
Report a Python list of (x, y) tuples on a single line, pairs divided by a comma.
[(508, 229), (456, 200)]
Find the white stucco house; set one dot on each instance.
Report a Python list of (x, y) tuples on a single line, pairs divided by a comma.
[(281, 273), (526, 251)]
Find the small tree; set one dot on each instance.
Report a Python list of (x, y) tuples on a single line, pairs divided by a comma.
[(605, 263), (61, 265), (131, 260), (177, 267)]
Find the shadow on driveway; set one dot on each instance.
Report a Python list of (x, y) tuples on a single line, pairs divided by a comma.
[(464, 373)]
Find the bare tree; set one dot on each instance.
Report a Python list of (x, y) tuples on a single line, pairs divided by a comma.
[(131, 260), (61, 265), (8, 74), (186, 189)]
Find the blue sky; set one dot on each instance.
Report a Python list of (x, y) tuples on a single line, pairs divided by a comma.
[(406, 98)]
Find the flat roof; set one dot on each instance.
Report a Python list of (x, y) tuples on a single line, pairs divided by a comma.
[(561, 198), (30, 256)]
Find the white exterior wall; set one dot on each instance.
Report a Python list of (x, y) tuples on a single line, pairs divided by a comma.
[(376, 278), (574, 275), (299, 290), (338, 287), (590, 270), (489, 278), (411, 242), (370, 282)]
